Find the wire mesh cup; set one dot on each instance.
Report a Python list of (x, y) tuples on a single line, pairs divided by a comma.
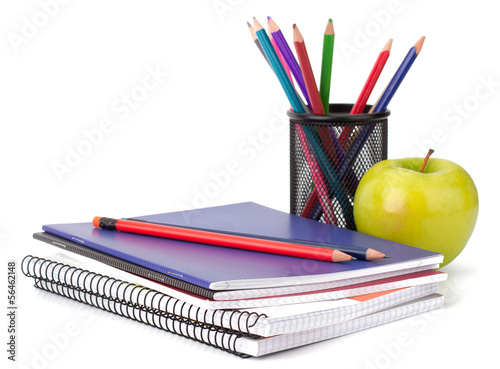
[(328, 156)]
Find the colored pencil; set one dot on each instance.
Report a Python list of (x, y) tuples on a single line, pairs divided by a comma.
[(256, 40), (278, 68), (220, 239), (360, 104), (275, 31), (326, 66), (361, 253), (307, 72)]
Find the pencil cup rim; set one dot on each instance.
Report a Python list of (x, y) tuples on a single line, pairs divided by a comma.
[(340, 113)]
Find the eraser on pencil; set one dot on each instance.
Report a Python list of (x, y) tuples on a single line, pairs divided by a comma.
[(96, 221)]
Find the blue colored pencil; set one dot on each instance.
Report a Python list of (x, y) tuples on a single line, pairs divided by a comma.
[(256, 40)]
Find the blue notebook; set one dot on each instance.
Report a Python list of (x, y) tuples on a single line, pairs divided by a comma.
[(223, 268)]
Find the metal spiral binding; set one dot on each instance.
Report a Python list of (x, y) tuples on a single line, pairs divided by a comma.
[(110, 294)]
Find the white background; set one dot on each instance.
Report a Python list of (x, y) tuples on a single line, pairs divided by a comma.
[(67, 69)]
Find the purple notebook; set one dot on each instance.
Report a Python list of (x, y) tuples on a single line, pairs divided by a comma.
[(223, 268)]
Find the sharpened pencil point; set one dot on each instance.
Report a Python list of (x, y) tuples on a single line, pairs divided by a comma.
[(297, 36), (329, 28), (273, 27), (252, 32), (388, 45), (372, 254), (257, 25), (420, 43), (339, 256)]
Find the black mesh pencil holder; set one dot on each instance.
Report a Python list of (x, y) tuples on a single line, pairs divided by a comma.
[(328, 156)]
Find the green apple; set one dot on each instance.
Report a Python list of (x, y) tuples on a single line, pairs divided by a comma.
[(427, 203)]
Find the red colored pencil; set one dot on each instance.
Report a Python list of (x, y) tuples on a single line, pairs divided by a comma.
[(222, 239), (307, 72), (360, 104)]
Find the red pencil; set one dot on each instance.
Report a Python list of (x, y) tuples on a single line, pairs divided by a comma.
[(307, 72), (360, 104), (222, 239)]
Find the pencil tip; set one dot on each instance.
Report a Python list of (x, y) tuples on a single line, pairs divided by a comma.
[(297, 36), (249, 25), (329, 28), (388, 45), (419, 44), (372, 254), (339, 256), (256, 24), (268, 18)]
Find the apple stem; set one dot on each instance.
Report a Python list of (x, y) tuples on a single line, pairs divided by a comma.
[(426, 160)]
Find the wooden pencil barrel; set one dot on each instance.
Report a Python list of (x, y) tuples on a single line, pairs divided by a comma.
[(328, 156)]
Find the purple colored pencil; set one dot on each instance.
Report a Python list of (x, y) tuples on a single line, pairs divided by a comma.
[(288, 56)]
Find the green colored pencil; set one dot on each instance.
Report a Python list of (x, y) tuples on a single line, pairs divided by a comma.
[(326, 66)]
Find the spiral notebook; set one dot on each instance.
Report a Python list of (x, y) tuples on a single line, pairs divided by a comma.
[(253, 332), (75, 254), (223, 268)]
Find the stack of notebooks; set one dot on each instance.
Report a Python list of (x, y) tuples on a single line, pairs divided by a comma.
[(245, 302)]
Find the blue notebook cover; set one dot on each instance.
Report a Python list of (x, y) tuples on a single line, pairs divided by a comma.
[(223, 268)]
